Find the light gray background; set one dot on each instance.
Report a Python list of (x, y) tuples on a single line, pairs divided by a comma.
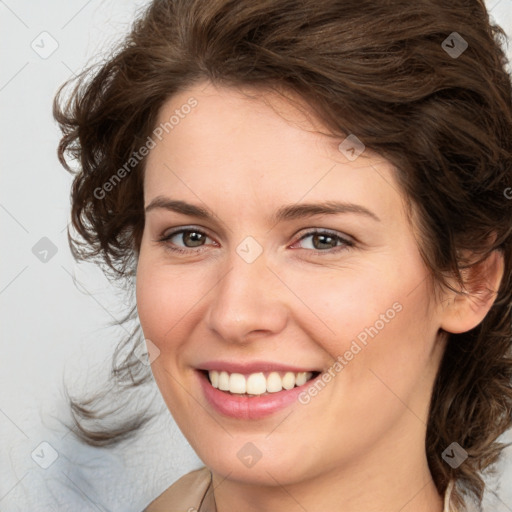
[(51, 329)]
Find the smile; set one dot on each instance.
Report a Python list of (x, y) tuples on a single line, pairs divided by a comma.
[(252, 396)]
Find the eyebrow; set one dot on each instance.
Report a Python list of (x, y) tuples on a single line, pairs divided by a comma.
[(284, 213)]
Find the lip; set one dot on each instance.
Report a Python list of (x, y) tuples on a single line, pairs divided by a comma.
[(250, 408), (253, 367)]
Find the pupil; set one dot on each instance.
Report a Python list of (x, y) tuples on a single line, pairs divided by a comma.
[(196, 237), (322, 238)]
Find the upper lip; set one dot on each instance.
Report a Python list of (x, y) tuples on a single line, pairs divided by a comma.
[(252, 367)]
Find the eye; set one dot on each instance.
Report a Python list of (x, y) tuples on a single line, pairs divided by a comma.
[(323, 241), (192, 238)]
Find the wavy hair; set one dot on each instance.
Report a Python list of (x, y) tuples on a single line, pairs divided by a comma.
[(395, 73)]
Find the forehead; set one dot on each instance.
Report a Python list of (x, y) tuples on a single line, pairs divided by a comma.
[(250, 110), (261, 148)]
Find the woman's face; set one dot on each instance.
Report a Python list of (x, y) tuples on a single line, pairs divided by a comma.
[(269, 283)]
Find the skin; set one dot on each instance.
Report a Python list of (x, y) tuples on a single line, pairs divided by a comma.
[(359, 444)]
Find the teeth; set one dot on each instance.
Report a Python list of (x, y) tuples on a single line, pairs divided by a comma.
[(223, 381), (214, 377), (289, 380), (274, 382), (301, 378), (257, 383), (237, 383)]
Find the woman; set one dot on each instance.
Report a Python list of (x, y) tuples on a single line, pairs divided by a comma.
[(313, 198)]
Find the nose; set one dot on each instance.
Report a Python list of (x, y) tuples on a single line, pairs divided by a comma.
[(248, 302)]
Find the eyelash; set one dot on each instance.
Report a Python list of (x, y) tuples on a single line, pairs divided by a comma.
[(164, 239)]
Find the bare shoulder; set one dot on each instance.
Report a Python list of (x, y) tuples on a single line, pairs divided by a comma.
[(184, 494)]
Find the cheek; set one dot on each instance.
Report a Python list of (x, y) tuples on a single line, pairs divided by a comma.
[(165, 299), (382, 342), (165, 305), (339, 303), (377, 317)]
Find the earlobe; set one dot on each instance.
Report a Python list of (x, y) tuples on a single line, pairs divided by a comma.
[(464, 310)]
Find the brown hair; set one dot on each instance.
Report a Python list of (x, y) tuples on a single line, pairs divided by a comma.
[(383, 71)]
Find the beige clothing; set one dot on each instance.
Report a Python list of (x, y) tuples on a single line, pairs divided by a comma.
[(193, 492)]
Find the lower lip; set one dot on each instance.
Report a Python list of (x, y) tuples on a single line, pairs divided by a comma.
[(250, 408)]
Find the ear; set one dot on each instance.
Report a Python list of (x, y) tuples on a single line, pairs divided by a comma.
[(462, 311)]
